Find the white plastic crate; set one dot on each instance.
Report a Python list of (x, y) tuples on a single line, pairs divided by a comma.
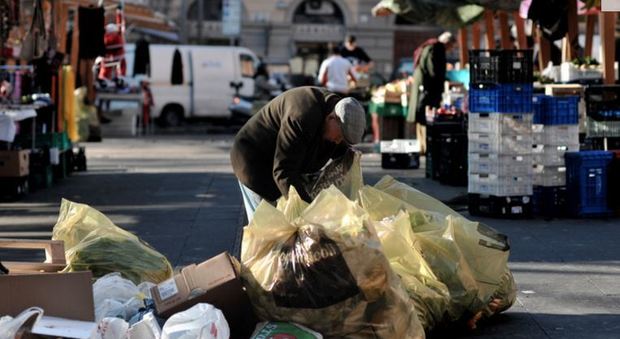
[(502, 165), (501, 123), (555, 134), (549, 155), (500, 186), (549, 175), (503, 144), (400, 146), (551, 149)]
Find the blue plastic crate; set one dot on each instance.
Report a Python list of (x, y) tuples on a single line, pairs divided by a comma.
[(562, 110), (500, 98), (586, 182), (538, 108)]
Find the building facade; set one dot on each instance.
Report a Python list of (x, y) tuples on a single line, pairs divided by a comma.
[(297, 32)]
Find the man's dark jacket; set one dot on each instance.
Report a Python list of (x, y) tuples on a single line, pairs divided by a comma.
[(283, 141)]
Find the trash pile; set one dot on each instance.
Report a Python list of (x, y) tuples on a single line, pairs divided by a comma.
[(386, 261)]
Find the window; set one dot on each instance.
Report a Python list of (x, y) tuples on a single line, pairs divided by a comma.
[(212, 10), (246, 63)]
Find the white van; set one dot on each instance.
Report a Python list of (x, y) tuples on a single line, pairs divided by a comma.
[(209, 76)]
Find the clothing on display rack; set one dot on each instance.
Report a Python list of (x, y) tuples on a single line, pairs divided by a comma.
[(16, 82), (142, 58), (92, 30), (45, 68)]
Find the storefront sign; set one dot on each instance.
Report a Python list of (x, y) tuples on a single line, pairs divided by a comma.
[(610, 5), (318, 32)]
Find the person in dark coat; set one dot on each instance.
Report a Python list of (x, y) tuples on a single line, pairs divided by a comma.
[(295, 134), (429, 62)]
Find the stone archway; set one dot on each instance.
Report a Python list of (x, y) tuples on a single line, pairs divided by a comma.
[(314, 25)]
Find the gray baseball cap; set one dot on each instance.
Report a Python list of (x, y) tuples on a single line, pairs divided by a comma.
[(353, 120)]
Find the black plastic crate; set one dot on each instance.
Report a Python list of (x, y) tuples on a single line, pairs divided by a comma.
[(453, 159), (392, 127), (598, 143), (501, 66), (613, 183), (515, 207), (433, 143), (400, 160), (603, 102), (550, 201)]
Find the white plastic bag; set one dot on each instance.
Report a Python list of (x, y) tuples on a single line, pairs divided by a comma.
[(115, 296), (111, 328), (202, 321), (147, 328), (10, 326)]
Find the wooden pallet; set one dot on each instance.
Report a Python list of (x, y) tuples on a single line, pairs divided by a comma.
[(54, 255)]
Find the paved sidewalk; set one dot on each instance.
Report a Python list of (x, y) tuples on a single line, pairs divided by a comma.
[(178, 193)]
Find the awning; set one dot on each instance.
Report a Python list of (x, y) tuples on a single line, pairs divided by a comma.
[(170, 36)]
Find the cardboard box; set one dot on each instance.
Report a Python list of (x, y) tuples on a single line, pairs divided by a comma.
[(63, 295), (14, 163), (216, 282)]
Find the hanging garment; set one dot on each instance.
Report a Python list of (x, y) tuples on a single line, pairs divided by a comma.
[(92, 30), (34, 43), (177, 68), (552, 16), (142, 59), (44, 68)]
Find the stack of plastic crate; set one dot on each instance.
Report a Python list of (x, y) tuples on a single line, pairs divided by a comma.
[(603, 111), (500, 133), (555, 132)]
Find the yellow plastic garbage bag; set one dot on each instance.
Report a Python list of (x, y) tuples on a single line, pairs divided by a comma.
[(430, 296), (325, 270), (93, 242), (470, 257), (293, 207)]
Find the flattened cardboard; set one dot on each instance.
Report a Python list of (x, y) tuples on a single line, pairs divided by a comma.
[(63, 295), (215, 282), (64, 328), (14, 163)]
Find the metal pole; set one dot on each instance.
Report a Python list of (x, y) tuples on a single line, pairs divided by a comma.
[(201, 17), (183, 21)]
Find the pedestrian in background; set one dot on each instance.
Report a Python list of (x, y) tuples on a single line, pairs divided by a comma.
[(262, 86), (335, 73), (295, 134), (429, 62), (356, 55)]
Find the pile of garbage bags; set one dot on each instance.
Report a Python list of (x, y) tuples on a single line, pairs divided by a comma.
[(93, 242), (391, 263)]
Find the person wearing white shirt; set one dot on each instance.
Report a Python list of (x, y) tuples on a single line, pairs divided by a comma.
[(335, 72)]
